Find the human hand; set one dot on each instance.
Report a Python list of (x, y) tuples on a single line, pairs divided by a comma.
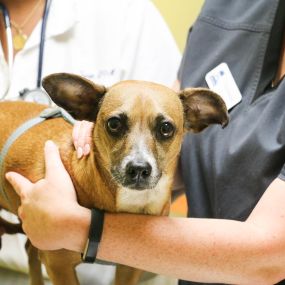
[(82, 136), (49, 210)]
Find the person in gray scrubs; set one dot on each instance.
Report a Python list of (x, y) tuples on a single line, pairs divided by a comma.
[(235, 175), (232, 167)]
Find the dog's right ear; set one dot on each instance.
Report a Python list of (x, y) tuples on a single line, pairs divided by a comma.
[(78, 96)]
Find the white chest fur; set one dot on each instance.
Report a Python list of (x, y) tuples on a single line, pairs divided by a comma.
[(150, 201)]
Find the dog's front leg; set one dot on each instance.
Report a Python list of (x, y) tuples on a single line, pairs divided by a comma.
[(35, 266), (126, 275), (60, 266)]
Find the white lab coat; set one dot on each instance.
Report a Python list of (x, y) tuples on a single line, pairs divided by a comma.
[(103, 40), (106, 41)]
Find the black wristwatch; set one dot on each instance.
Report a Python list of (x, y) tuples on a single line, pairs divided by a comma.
[(94, 238)]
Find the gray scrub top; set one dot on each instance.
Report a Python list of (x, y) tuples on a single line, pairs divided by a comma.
[(226, 171)]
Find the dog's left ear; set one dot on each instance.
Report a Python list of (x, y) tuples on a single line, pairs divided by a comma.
[(77, 95), (202, 107)]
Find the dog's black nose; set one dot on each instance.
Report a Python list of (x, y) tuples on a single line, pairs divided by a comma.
[(138, 172)]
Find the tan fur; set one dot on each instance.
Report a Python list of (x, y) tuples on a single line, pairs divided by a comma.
[(143, 103)]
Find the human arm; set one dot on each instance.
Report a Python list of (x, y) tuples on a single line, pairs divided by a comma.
[(206, 250)]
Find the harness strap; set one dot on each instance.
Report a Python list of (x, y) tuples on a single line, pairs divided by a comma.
[(44, 115)]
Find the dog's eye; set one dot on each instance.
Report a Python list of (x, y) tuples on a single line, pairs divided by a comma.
[(166, 130), (114, 125), (117, 126)]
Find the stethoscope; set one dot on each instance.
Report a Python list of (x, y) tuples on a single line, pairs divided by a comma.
[(36, 95)]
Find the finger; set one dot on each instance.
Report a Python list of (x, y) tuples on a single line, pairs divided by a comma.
[(53, 161), (75, 133), (84, 138), (88, 138), (21, 184), (80, 140)]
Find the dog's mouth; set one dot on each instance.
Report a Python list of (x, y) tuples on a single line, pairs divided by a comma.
[(140, 185)]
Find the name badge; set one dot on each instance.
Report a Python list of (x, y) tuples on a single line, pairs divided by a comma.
[(221, 81)]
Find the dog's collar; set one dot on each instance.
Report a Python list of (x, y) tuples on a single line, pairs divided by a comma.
[(44, 115)]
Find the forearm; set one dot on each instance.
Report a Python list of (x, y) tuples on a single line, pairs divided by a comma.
[(206, 250), (191, 249)]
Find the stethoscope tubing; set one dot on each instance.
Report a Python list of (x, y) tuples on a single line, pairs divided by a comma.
[(42, 41), (9, 39)]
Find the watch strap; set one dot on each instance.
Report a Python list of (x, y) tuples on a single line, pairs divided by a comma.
[(94, 237)]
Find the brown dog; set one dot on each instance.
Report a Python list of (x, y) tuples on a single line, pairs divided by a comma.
[(136, 141)]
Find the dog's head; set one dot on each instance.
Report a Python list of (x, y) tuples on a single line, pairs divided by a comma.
[(139, 125)]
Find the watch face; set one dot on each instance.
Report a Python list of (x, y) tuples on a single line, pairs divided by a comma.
[(37, 96)]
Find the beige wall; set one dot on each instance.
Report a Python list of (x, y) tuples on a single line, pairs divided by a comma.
[(179, 14)]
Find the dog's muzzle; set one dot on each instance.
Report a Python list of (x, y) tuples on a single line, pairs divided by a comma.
[(137, 175)]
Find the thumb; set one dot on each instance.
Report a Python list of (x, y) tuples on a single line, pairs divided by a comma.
[(21, 184), (53, 161)]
